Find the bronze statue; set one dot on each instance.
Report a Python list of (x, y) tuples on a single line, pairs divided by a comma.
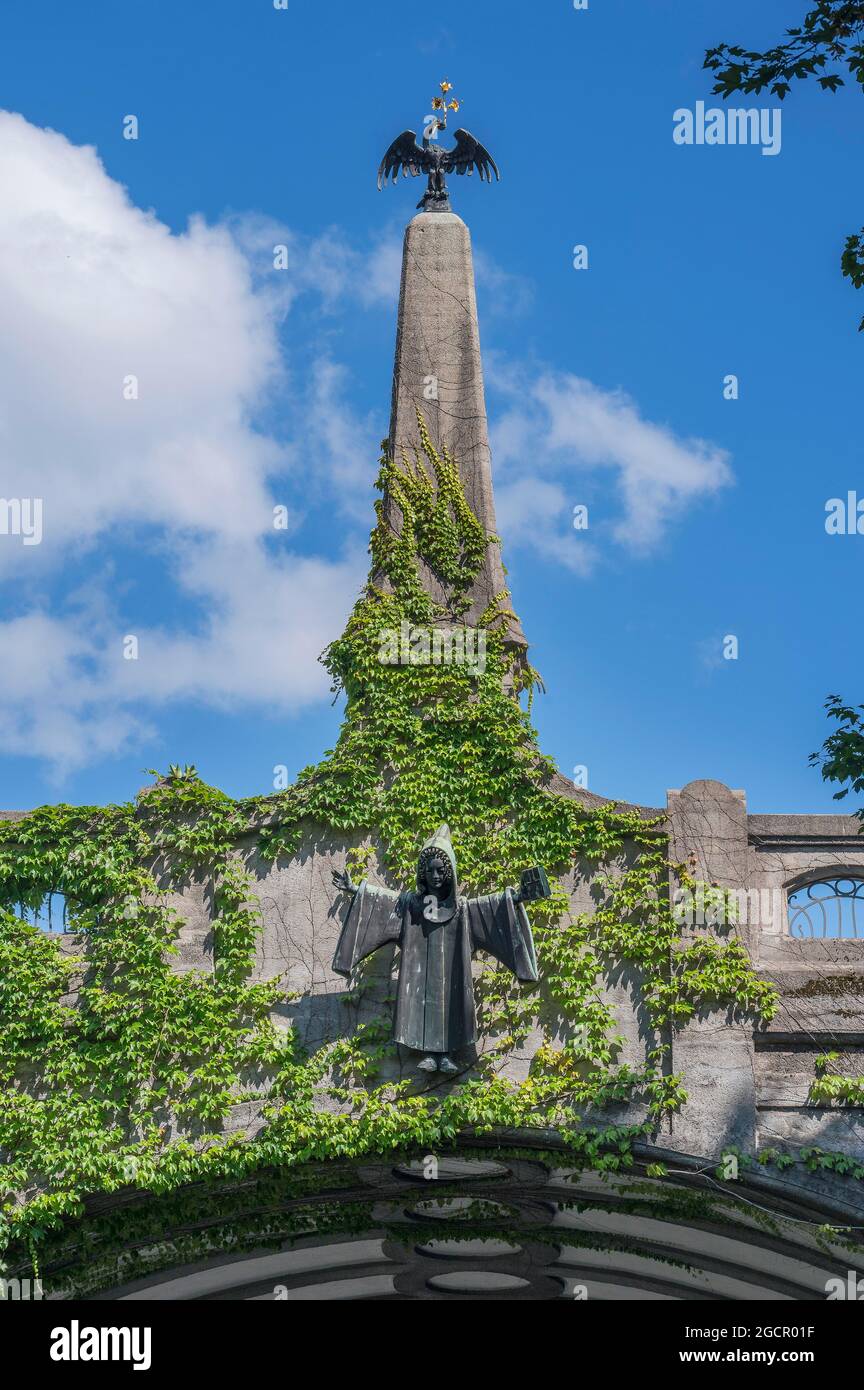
[(437, 932), (429, 158)]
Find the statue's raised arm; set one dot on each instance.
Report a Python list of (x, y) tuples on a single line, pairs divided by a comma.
[(374, 919), (499, 923)]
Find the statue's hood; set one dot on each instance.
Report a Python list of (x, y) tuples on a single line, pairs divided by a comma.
[(441, 840)]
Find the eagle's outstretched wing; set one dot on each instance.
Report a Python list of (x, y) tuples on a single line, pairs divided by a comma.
[(404, 154), (469, 155)]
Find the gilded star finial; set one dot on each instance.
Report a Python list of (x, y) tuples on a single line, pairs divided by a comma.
[(443, 105)]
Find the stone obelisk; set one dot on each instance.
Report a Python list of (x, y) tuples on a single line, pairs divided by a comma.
[(438, 371)]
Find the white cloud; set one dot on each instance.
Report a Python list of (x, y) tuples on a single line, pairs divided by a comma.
[(502, 292), (93, 290), (68, 694), (383, 271), (267, 621), (52, 702), (563, 427), (531, 512), (328, 265), (344, 443)]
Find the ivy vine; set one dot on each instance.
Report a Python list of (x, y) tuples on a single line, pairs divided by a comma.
[(117, 1070)]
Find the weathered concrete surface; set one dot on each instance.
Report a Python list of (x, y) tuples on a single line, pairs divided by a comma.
[(714, 1052), (748, 1086), (438, 371)]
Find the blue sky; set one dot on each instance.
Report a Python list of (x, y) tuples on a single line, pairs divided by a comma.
[(260, 388)]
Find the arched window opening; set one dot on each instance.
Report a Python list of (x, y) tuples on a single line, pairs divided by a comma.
[(52, 913), (829, 908)]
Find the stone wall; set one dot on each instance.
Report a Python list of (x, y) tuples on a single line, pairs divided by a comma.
[(747, 1086)]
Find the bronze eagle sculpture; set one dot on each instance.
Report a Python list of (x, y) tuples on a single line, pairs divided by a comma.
[(429, 158)]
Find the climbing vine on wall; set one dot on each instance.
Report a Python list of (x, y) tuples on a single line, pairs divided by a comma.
[(118, 1070), (832, 1087)]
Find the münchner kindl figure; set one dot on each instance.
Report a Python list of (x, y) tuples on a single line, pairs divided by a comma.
[(437, 932)]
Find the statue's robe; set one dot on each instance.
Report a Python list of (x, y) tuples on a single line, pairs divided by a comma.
[(435, 999)]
